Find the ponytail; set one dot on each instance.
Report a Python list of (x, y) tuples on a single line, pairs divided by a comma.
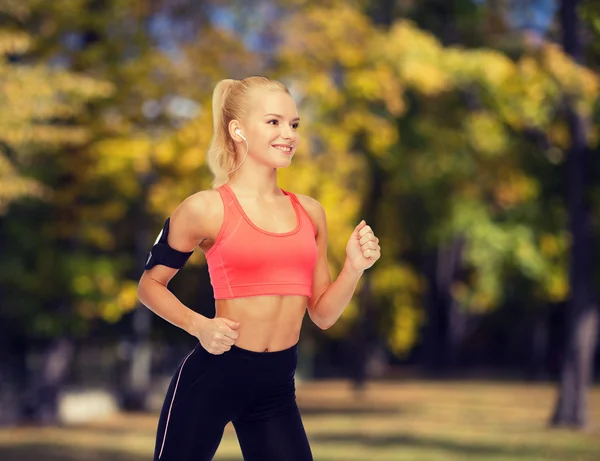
[(221, 153)]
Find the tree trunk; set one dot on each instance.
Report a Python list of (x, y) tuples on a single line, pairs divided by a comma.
[(13, 377), (445, 323), (539, 347), (382, 12), (134, 393), (365, 328), (46, 383), (362, 334), (581, 314)]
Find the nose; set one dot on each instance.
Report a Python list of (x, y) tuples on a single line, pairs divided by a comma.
[(287, 132)]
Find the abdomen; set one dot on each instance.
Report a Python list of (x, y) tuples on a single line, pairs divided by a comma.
[(266, 322)]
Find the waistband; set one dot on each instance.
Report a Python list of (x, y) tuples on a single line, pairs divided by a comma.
[(266, 356), (283, 361)]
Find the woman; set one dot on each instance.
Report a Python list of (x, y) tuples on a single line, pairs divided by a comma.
[(266, 251)]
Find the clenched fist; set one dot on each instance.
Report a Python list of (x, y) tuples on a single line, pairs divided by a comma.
[(217, 335), (362, 250)]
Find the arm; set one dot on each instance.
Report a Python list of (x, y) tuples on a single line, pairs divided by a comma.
[(186, 232), (329, 300)]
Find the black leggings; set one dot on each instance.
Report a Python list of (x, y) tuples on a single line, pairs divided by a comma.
[(253, 390)]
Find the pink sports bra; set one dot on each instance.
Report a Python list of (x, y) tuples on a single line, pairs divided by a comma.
[(248, 261)]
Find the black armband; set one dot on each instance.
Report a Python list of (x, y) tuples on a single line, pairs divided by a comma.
[(162, 253)]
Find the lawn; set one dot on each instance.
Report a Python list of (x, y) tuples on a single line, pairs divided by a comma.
[(406, 421)]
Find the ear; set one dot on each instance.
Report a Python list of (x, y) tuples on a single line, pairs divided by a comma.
[(234, 125)]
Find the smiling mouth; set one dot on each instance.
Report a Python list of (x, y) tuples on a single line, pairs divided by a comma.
[(283, 148)]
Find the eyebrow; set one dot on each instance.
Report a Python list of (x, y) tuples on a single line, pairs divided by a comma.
[(297, 119)]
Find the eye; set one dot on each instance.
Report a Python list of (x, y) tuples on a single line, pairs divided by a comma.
[(295, 125), (274, 120)]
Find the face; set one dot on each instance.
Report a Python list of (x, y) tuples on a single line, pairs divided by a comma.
[(271, 128)]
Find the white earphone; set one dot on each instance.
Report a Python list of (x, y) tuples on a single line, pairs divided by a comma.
[(239, 133)]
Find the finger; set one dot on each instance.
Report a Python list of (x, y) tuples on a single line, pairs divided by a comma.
[(228, 341), (375, 255), (230, 323), (224, 337), (220, 350), (371, 254), (369, 238), (364, 230), (360, 226), (231, 334), (368, 243)]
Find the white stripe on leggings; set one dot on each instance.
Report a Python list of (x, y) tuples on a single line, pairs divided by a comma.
[(172, 400)]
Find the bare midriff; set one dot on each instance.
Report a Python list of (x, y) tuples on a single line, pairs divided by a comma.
[(267, 323)]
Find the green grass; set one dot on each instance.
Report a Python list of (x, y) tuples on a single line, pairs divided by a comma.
[(406, 421)]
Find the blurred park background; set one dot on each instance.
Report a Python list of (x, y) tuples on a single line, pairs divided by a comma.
[(465, 132)]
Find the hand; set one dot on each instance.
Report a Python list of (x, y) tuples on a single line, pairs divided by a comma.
[(218, 335), (363, 248)]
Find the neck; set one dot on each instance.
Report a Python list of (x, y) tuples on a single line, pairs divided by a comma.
[(256, 183)]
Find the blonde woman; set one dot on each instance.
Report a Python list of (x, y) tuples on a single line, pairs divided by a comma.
[(266, 250)]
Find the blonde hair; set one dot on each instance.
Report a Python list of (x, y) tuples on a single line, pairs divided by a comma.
[(230, 101)]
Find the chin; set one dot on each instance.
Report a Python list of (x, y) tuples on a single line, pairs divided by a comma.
[(281, 162)]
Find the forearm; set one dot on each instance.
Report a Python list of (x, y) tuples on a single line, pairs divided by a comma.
[(332, 303), (159, 299)]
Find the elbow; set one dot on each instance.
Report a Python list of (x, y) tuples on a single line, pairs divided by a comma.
[(325, 325), (142, 291), (321, 322), (148, 290)]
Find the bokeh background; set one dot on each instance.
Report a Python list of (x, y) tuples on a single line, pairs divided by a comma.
[(465, 132)]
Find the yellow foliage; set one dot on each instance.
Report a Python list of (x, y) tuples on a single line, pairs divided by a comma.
[(381, 133), (82, 284), (118, 297), (33, 98), (117, 155), (394, 278), (574, 79), (559, 134), (402, 287), (556, 287), (551, 245), (514, 187), (407, 322), (343, 326), (486, 134), (13, 186), (14, 42), (417, 57), (494, 68), (322, 35), (126, 298), (110, 311), (98, 235)]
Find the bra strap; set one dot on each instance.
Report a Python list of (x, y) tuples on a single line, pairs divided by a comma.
[(295, 199)]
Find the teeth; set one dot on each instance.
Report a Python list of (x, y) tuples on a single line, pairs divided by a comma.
[(283, 149)]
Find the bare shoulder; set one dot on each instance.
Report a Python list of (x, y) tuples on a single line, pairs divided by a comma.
[(194, 214), (314, 208), (199, 204)]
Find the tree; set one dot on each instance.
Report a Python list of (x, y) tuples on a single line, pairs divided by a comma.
[(581, 312), (41, 111)]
